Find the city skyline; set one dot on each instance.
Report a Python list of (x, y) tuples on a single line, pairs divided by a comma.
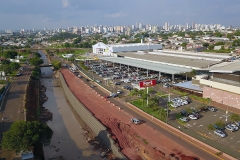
[(53, 14)]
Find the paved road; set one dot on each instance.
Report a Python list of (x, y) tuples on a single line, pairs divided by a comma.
[(12, 109), (119, 102)]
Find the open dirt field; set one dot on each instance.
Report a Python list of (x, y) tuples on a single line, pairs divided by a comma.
[(135, 141)]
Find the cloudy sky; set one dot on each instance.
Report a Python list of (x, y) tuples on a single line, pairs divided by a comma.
[(28, 14)]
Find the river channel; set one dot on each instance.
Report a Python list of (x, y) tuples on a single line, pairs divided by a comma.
[(68, 141)]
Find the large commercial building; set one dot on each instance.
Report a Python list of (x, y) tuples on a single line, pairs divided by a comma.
[(110, 49)]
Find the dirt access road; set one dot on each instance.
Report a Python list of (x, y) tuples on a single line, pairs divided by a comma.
[(12, 109)]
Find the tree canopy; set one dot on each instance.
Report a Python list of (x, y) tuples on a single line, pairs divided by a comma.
[(35, 61), (23, 135), (56, 64), (10, 54), (64, 36)]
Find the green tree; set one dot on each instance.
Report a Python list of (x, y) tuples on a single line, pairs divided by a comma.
[(218, 34), (86, 45), (210, 127), (56, 64), (23, 135), (153, 102), (235, 117), (219, 43), (220, 123), (14, 65), (5, 62), (211, 47), (230, 36), (67, 45), (35, 61), (105, 40), (77, 40), (193, 73), (184, 44), (7, 69), (205, 45), (10, 54)]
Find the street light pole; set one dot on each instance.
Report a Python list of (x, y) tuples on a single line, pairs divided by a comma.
[(147, 96)]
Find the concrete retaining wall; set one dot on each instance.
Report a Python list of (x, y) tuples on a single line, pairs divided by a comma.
[(97, 127)]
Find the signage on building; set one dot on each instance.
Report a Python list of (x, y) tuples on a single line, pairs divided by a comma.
[(147, 83)]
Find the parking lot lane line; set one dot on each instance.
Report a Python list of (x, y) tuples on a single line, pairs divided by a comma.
[(204, 135)]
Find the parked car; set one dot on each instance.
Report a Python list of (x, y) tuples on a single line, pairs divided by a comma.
[(119, 91), (191, 116), (211, 108), (234, 126), (184, 113), (135, 121), (98, 81), (197, 115), (220, 133), (113, 95), (184, 119), (237, 123), (230, 128), (218, 127), (117, 83), (204, 109)]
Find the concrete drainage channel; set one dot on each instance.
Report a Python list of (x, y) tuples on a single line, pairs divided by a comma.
[(97, 127)]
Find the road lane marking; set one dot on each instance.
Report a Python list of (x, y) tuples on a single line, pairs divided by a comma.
[(204, 135)]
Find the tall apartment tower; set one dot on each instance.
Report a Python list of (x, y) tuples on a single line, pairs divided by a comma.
[(137, 25), (166, 26), (193, 25)]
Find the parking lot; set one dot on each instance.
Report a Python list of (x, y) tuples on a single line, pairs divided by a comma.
[(119, 77)]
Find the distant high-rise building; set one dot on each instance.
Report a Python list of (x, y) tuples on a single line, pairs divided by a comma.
[(193, 25), (133, 27), (166, 26), (100, 29), (137, 25)]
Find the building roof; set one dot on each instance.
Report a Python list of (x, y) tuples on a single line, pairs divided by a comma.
[(164, 68), (131, 44), (189, 85), (226, 67), (167, 58)]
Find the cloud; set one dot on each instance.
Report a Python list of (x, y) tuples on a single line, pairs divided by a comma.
[(115, 15), (65, 3)]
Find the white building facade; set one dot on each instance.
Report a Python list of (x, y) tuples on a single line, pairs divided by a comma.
[(109, 50)]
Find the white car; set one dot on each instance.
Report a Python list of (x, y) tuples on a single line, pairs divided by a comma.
[(119, 92), (191, 116), (135, 121), (237, 123), (98, 81), (234, 126), (184, 119), (220, 133)]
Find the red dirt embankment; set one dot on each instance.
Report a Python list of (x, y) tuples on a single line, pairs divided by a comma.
[(135, 141)]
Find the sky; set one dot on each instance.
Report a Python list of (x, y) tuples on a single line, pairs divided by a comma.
[(50, 14)]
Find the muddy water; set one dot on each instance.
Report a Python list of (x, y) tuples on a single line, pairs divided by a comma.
[(68, 140)]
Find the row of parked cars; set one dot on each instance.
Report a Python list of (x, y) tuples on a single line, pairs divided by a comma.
[(195, 113), (128, 75), (232, 127), (179, 101)]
